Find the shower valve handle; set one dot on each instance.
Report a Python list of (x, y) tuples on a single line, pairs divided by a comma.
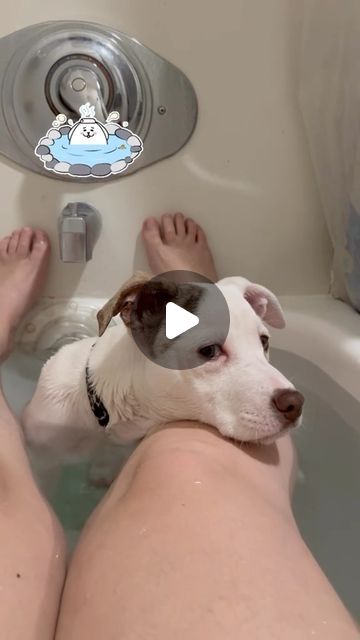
[(79, 86)]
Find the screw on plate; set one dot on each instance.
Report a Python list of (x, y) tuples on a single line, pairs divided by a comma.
[(162, 110)]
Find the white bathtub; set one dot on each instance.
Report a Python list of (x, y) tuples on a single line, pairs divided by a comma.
[(320, 351)]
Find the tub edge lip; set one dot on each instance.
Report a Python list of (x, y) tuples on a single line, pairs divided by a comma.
[(326, 332)]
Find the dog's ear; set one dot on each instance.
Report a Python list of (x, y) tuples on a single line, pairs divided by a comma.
[(265, 304), (121, 302)]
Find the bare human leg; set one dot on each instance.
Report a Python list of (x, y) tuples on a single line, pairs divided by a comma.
[(32, 549), (196, 538)]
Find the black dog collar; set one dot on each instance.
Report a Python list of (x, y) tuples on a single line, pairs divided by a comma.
[(96, 404)]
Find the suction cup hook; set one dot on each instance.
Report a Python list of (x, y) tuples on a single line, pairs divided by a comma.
[(53, 324)]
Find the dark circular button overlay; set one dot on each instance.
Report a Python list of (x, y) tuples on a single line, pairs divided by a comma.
[(195, 300)]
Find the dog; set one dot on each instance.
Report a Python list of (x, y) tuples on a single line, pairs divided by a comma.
[(104, 392)]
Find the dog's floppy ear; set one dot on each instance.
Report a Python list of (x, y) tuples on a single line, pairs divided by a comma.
[(121, 302), (265, 304)]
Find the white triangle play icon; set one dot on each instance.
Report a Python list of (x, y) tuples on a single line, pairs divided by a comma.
[(178, 320)]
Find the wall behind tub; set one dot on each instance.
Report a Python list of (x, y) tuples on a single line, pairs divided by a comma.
[(245, 175)]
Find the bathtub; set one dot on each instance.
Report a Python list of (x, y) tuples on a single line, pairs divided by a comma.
[(320, 352)]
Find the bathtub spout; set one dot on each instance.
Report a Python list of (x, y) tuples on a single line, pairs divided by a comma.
[(77, 227)]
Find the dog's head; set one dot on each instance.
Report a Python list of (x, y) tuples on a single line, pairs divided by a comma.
[(234, 388)]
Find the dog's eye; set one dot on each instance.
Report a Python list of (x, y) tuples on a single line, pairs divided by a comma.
[(210, 352), (265, 342)]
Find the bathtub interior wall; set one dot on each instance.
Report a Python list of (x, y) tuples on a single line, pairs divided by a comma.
[(245, 174), (326, 497)]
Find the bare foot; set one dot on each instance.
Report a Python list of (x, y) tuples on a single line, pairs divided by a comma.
[(176, 242), (23, 267)]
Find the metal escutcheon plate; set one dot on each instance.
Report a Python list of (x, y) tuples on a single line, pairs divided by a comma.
[(56, 66)]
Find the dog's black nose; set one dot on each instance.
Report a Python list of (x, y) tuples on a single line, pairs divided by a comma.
[(289, 402)]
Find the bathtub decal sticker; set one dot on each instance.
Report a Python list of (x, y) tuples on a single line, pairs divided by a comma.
[(88, 147)]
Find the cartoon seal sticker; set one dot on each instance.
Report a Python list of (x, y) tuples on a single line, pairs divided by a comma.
[(88, 147)]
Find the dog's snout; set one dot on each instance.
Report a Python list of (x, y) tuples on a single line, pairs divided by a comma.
[(289, 402)]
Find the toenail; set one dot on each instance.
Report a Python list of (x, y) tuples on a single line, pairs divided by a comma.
[(150, 223)]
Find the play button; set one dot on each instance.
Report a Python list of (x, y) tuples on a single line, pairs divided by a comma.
[(178, 320)]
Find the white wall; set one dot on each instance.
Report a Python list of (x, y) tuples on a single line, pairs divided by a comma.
[(245, 174)]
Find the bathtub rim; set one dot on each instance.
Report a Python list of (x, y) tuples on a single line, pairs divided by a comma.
[(325, 332)]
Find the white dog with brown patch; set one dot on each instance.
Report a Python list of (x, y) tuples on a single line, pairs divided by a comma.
[(105, 390)]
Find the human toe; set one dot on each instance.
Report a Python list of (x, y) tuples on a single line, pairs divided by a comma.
[(40, 244), (168, 229), (13, 244), (4, 245), (179, 221), (25, 240), (151, 231), (201, 236), (191, 229)]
